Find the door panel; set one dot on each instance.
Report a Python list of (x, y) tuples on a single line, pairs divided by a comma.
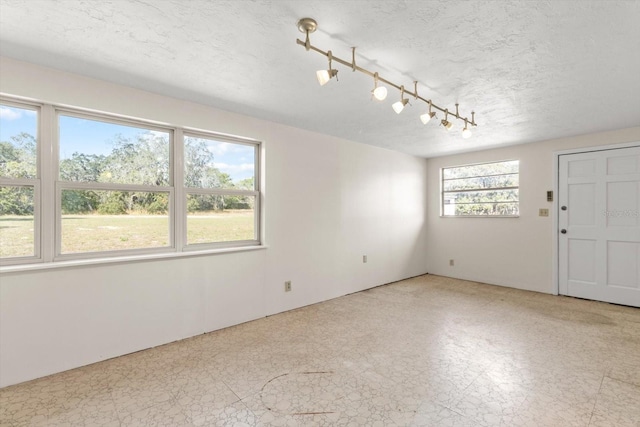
[(623, 264), (582, 199), (621, 165), (599, 253), (581, 168), (622, 202), (582, 257)]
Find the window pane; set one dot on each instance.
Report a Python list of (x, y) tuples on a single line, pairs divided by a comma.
[(216, 164), (18, 142), (96, 220), (215, 218), (481, 170), (496, 181), (481, 190), (96, 151), (17, 223), (488, 196), (484, 209)]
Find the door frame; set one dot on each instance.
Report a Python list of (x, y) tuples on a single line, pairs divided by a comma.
[(556, 184)]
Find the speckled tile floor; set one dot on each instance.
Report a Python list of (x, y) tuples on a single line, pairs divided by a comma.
[(428, 351)]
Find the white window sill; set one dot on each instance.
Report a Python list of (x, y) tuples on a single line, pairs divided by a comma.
[(479, 216), (124, 259)]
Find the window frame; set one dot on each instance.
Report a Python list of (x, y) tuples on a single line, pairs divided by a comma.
[(35, 183), (61, 185), (443, 192), (186, 191), (48, 188)]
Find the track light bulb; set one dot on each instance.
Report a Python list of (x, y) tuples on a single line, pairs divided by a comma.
[(426, 117), (380, 93)]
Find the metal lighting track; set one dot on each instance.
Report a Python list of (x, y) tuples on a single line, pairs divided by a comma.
[(307, 25)]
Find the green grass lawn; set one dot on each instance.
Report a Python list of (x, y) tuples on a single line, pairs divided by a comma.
[(16, 236), (91, 233)]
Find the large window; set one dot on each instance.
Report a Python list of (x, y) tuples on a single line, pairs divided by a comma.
[(105, 186), (114, 186), (488, 189)]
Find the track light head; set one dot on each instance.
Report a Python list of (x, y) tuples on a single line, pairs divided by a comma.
[(426, 117), (466, 132), (444, 122), (399, 106), (325, 75), (378, 92)]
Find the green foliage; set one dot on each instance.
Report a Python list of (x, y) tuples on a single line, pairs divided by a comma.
[(82, 167), (79, 201), (159, 204), (141, 160), (203, 203), (18, 156), (16, 201), (113, 204), (144, 160), (246, 184), (199, 169)]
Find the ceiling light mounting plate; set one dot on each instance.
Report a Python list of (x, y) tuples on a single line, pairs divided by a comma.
[(307, 24)]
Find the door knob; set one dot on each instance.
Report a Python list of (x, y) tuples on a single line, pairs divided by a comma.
[(563, 231)]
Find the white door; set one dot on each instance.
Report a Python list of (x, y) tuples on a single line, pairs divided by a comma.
[(599, 225)]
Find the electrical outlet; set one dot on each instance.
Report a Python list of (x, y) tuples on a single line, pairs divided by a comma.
[(287, 286), (543, 212), (364, 259), (451, 263)]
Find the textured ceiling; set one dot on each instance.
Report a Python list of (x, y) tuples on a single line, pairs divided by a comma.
[(532, 70)]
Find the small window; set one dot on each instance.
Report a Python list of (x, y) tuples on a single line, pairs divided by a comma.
[(488, 189), (19, 183), (114, 186), (221, 190)]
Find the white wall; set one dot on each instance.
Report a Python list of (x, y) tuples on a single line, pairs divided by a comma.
[(328, 202), (514, 252)]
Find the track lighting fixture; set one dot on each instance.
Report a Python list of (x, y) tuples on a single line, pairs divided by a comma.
[(399, 106), (308, 26), (379, 92), (426, 117), (325, 75)]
